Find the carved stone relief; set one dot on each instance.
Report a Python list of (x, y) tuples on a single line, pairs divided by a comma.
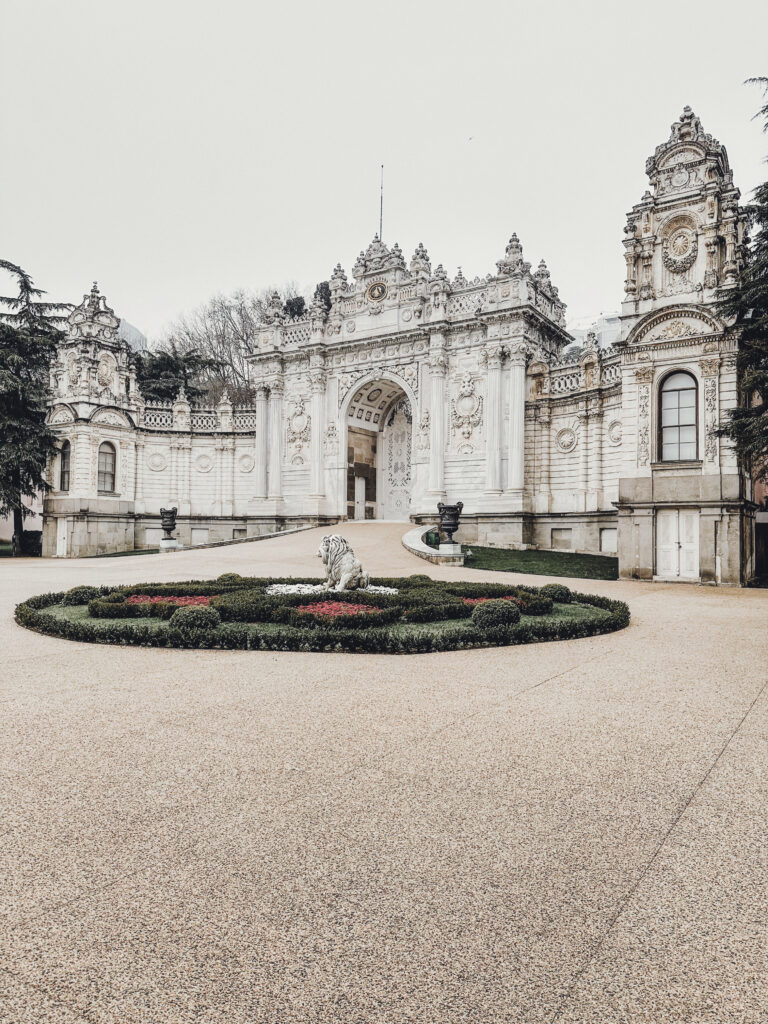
[(466, 413)]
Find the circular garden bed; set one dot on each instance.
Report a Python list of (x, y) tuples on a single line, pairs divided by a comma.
[(407, 615)]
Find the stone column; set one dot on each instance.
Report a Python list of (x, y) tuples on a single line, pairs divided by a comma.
[(545, 440), (276, 439), (595, 464), (317, 467), (583, 457), (438, 364), (262, 429), (494, 354), (138, 488), (517, 359)]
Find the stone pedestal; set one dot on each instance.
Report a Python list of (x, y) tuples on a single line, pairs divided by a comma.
[(453, 550), (169, 544)]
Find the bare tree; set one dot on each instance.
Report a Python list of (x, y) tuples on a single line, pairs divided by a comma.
[(225, 330)]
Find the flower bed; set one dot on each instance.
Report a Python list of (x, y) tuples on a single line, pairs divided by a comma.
[(400, 616), (333, 609)]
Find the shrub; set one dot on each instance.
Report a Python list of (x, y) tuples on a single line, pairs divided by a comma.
[(433, 611), (116, 597), (492, 614), (80, 595), (193, 617), (244, 606), (229, 577), (534, 604), (418, 580), (556, 591)]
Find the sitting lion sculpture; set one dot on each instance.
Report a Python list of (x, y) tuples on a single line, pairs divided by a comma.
[(343, 570)]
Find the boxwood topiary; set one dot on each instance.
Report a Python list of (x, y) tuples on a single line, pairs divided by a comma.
[(229, 577), (194, 617), (116, 597), (80, 595), (558, 592), (492, 614)]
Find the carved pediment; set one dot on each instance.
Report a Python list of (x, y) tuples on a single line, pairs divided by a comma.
[(111, 417), (674, 325)]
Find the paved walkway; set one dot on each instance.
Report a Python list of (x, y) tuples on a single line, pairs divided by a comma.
[(570, 832)]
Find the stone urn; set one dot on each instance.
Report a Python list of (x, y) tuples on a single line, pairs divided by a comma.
[(168, 522), (449, 519)]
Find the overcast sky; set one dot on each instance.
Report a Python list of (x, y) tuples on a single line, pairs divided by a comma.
[(173, 149)]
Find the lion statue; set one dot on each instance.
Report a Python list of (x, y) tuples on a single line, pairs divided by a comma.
[(343, 570)]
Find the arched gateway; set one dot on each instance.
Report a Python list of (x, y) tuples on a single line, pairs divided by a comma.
[(377, 417)]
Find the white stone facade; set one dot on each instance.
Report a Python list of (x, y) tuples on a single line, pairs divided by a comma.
[(414, 388)]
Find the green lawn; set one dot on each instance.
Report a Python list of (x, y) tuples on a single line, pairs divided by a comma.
[(544, 563)]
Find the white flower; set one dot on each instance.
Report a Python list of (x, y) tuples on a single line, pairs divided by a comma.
[(274, 589)]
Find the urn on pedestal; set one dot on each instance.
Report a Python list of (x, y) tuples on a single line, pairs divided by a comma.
[(168, 522), (449, 524)]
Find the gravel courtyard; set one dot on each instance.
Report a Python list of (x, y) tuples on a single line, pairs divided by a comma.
[(564, 832)]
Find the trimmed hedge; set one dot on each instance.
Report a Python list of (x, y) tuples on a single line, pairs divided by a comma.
[(189, 619), (491, 614), (80, 595), (557, 592), (220, 625)]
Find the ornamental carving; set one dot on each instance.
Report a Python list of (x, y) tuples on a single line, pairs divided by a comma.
[(157, 462), (710, 367), (331, 440), (299, 430), (676, 329), (114, 419), (679, 250), (204, 463), (105, 372), (93, 318), (566, 439), (405, 372), (710, 414), (62, 416), (614, 432), (73, 370), (246, 463), (466, 411), (422, 437)]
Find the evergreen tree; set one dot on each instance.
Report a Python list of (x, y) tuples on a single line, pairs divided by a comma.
[(747, 306), (28, 337), (162, 374), (323, 294)]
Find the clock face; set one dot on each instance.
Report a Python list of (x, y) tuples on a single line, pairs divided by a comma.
[(376, 291)]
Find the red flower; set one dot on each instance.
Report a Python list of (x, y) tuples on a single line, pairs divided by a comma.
[(480, 600), (147, 599), (331, 609)]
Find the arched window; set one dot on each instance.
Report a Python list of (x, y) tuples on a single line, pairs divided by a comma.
[(678, 419), (106, 467), (66, 452)]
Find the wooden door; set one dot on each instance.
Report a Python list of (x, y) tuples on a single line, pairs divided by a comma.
[(688, 536), (667, 550)]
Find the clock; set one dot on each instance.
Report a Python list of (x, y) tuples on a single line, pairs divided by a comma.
[(376, 291)]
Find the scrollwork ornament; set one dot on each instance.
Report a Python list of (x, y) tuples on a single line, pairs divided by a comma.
[(679, 250)]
